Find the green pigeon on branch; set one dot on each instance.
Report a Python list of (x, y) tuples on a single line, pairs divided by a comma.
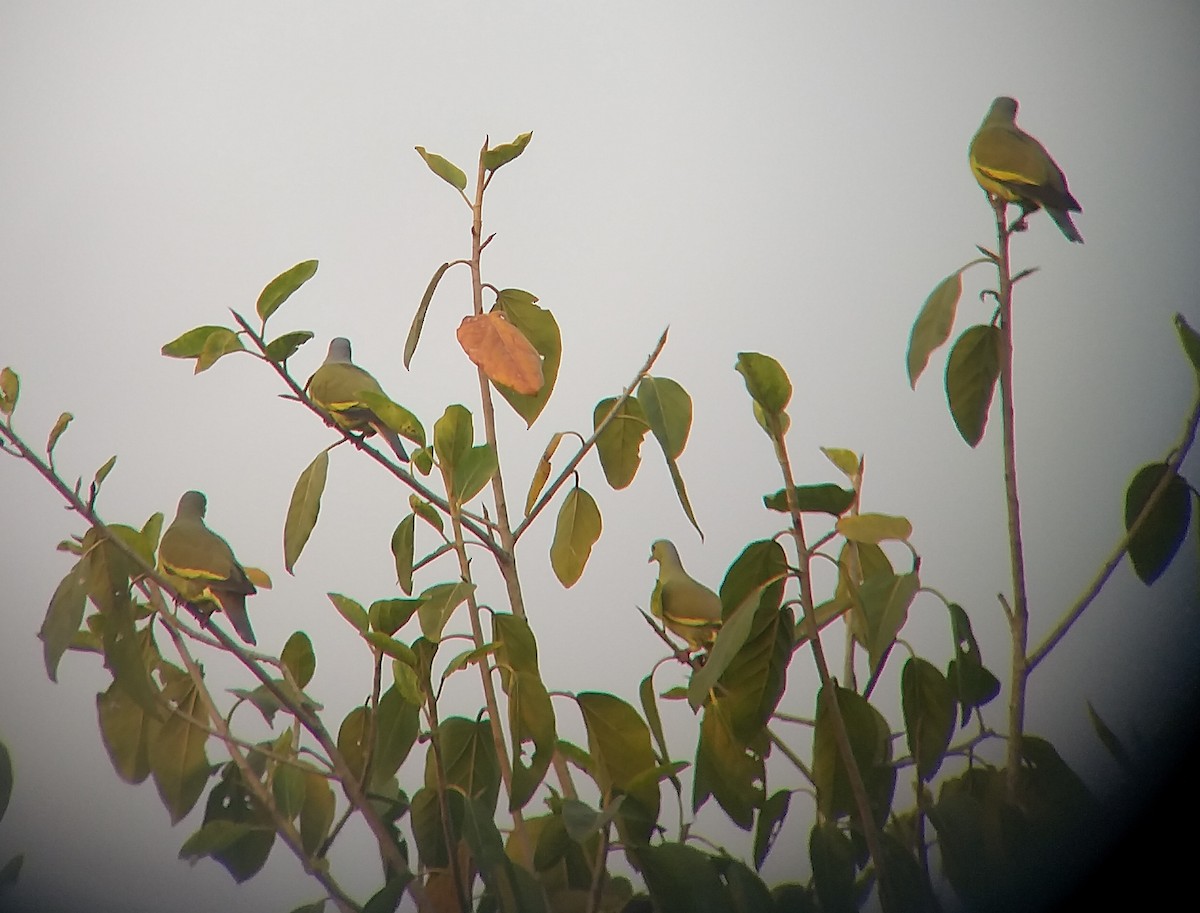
[(1010, 164), (201, 566), (687, 607), (337, 387)]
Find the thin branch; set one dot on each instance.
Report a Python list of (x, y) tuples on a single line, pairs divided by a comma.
[(1093, 589), (586, 447)]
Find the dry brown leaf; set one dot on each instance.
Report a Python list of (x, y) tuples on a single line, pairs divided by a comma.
[(502, 352)]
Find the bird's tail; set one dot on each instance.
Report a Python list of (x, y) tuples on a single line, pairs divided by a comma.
[(235, 611), (393, 440), (1062, 219)]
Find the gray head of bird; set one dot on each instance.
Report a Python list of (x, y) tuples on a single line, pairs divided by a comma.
[(1003, 108), (339, 350), (192, 504), (663, 550)]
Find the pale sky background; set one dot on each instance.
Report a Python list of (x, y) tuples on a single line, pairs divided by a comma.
[(780, 177)]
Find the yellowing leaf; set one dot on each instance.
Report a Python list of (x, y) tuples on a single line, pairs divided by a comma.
[(575, 533), (541, 475), (499, 156), (56, 432), (874, 528), (443, 168), (502, 352), (846, 460)]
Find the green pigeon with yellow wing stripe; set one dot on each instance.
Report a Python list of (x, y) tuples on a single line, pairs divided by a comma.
[(337, 387), (686, 606), (202, 567), (1012, 165)]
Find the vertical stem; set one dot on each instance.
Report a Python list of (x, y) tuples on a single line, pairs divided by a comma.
[(506, 559), (1019, 618), (841, 736)]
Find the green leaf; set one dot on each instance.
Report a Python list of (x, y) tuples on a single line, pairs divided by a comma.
[(177, 757), (826, 498), (766, 381), (352, 739), (1108, 738), (1157, 539), (418, 321), (64, 616), (769, 824), (682, 879), (279, 289), (231, 801), (388, 898), (576, 531), (217, 345), (541, 329), (446, 170), (397, 727), (847, 461), (288, 787), (350, 610), (283, 348), (874, 528), (1190, 340), (453, 437), (469, 757), (971, 374), (428, 513), (213, 837), (299, 658), (974, 685), (832, 854), (10, 390), (619, 746), (498, 156), (390, 615), (682, 495), (303, 509), (619, 445), (928, 706), (192, 343), (6, 779), (390, 647), (885, 598), (438, 604), (932, 327), (102, 472), (126, 729), (403, 544), (56, 432), (668, 410), (870, 744), (316, 817), (473, 471), (730, 640)]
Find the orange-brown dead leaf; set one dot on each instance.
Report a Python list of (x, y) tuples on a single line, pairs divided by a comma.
[(502, 352)]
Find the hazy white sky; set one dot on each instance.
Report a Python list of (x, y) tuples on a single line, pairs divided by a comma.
[(777, 177)]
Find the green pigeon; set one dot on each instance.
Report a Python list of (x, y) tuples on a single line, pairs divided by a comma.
[(201, 566), (337, 387), (1012, 165), (686, 606)]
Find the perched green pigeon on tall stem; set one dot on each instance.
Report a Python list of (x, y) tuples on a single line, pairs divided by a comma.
[(687, 607), (337, 387), (202, 568), (1010, 164)]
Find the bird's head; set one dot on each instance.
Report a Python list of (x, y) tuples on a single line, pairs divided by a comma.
[(339, 349), (192, 504), (663, 549)]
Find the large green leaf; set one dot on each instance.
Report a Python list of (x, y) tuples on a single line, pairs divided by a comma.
[(396, 728), (469, 757), (279, 289), (438, 604), (530, 713), (728, 768), (928, 706), (682, 879), (575, 532), (303, 509), (766, 381), (299, 658), (177, 757), (1160, 534), (64, 616), (832, 855), (932, 327), (619, 746), (127, 730), (971, 374), (826, 498), (870, 744), (619, 445), (403, 546), (316, 817), (668, 410)]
